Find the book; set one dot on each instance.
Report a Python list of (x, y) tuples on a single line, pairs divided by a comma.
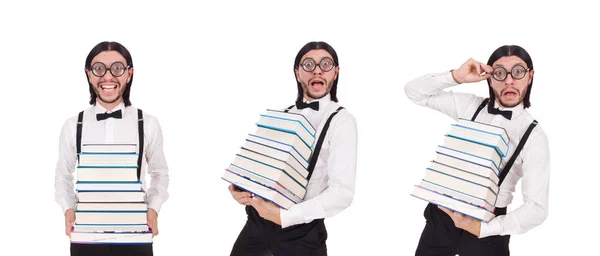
[(464, 175), (286, 138), (111, 238), (257, 189), (107, 174), (464, 186), (108, 186), (453, 204), (291, 190), (111, 217), (457, 195), (111, 196), (292, 116), (109, 148), (474, 149), (108, 159), (287, 125), (287, 155), (488, 135), (459, 161), (273, 162), (101, 228), (280, 146), (111, 207), (269, 166)]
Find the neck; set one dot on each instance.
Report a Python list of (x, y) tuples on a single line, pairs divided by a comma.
[(109, 106)]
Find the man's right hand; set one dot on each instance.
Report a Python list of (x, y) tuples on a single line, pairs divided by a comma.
[(69, 221), (472, 71), (241, 197)]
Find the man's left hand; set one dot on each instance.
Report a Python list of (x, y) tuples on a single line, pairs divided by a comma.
[(267, 210), (152, 217), (461, 221)]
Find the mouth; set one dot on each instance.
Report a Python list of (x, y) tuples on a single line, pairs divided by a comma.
[(317, 83), (108, 87), (510, 93)]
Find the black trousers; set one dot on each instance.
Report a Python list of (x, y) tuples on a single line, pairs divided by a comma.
[(261, 237), (111, 250), (441, 237)]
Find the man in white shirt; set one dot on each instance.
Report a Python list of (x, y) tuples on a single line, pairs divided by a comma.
[(300, 230), (111, 120), (509, 73)]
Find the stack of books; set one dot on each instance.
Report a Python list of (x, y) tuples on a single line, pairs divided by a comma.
[(464, 175), (273, 161), (111, 205)]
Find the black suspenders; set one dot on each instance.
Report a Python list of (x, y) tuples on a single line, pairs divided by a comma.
[(315, 154), (140, 134), (512, 159)]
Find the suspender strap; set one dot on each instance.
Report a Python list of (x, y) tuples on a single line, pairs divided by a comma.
[(510, 162), (288, 109), (315, 155), (78, 136), (141, 142), (480, 108)]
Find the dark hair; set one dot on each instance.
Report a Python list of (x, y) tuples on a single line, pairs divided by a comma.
[(511, 50), (316, 46), (109, 46)]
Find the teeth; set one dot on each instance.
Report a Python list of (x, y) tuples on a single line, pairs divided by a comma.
[(109, 86)]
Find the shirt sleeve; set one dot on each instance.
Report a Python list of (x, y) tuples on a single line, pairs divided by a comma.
[(157, 192), (341, 173), (428, 91), (67, 160), (535, 186)]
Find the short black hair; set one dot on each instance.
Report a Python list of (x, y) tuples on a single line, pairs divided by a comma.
[(109, 46), (317, 46), (511, 50)]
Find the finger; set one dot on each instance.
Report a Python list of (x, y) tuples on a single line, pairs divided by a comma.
[(487, 68), (447, 211), (244, 200)]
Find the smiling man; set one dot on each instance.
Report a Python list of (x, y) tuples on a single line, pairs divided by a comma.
[(111, 120), (509, 74), (300, 230)]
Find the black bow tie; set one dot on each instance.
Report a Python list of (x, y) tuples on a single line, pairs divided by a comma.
[(116, 114), (506, 113), (301, 105)]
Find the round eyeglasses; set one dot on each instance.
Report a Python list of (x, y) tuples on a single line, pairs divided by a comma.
[(116, 69), (517, 73), (309, 64)]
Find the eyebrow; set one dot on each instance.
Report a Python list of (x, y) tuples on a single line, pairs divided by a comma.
[(519, 63)]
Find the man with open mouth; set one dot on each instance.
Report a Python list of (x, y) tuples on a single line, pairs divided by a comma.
[(112, 120), (300, 230), (509, 75)]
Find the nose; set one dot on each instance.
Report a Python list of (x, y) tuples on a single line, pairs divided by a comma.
[(317, 70), (509, 79), (107, 76)]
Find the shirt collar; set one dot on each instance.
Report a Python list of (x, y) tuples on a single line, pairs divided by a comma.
[(323, 102), (516, 110), (100, 109)]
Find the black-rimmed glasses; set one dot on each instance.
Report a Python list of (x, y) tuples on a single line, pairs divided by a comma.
[(309, 64), (517, 73), (116, 69)]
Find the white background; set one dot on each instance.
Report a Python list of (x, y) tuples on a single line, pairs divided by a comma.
[(207, 70)]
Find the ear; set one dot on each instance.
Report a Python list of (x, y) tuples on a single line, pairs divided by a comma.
[(337, 70), (130, 72), (530, 76), (89, 75), (297, 75)]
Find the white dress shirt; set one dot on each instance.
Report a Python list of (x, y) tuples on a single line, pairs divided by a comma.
[(112, 130), (532, 164), (331, 186)]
